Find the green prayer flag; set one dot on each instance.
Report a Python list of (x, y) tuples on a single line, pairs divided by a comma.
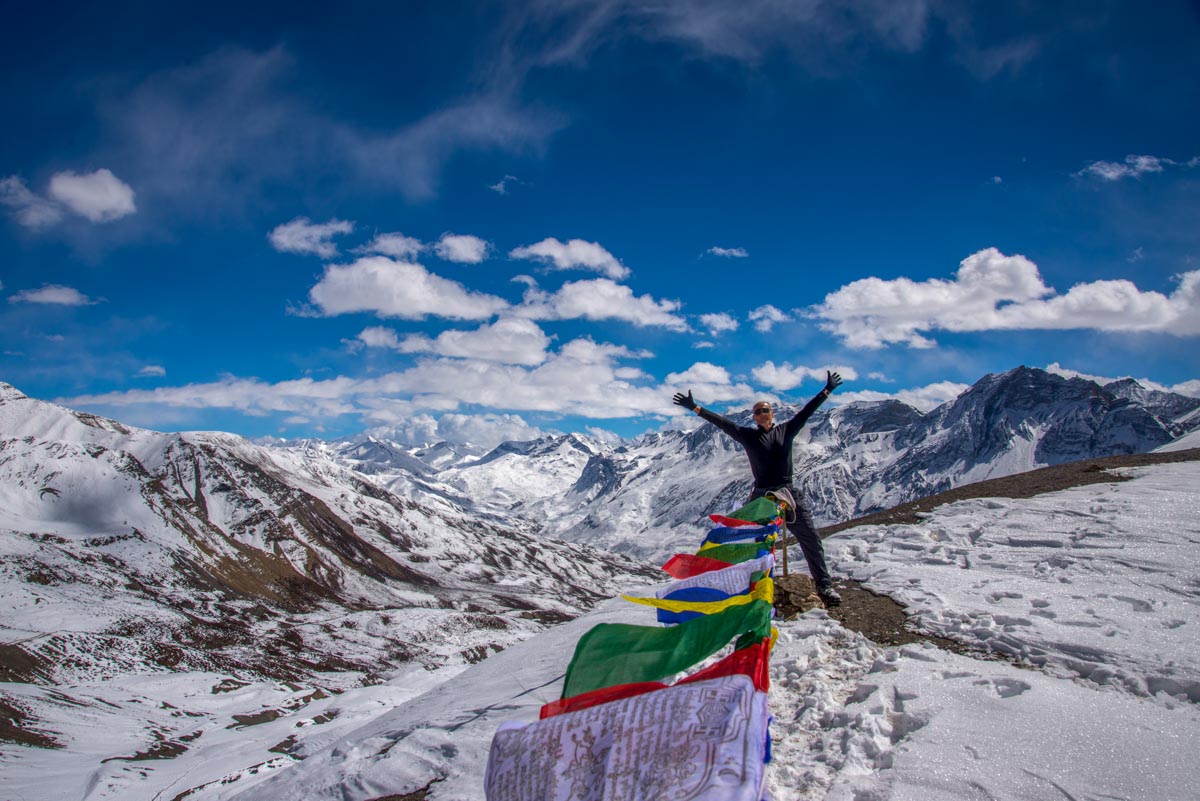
[(759, 510), (735, 552), (618, 653)]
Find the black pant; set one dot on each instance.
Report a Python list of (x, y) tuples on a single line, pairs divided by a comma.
[(806, 534)]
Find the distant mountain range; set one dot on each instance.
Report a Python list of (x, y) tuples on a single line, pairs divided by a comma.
[(126, 550), (204, 551), (646, 497), (318, 567)]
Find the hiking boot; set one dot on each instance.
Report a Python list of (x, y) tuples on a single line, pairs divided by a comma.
[(828, 595)]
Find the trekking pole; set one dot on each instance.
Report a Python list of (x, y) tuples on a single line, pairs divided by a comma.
[(783, 533)]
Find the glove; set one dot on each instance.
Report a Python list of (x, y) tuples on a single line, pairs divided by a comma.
[(832, 381), (686, 401)]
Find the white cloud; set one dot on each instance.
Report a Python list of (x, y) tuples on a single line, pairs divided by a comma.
[(575, 254), (53, 294), (461, 248), (508, 340), (481, 430), (729, 253), (992, 291), (922, 398), (1132, 167), (394, 245), (377, 336), (784, 377), (100, 196), (766, 317), (31, 209), (709, 384), (303, 236), (718, 323), (501, 188), (700, 373), (398, 289), (1066, 372), (601, 299), (328, 398), (152, 371), (585, 378), (1190, 388)]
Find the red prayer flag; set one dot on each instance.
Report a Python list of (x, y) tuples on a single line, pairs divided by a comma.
[(732, 522), (686, 565)]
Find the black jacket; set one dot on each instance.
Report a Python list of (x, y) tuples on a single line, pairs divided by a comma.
[(769, 451)]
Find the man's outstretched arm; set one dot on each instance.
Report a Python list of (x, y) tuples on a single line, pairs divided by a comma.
[(832, 382), (688, 402)]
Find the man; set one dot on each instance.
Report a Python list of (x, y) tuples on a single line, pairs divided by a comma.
[(769, 449)]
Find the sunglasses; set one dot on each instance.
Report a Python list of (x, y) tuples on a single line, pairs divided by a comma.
[(763, 410)]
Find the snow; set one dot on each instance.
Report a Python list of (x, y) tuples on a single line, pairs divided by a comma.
[(1191, 440), (1081, 609)]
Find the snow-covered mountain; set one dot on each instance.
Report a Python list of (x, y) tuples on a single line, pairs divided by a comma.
[(167, 593), (130, 552), (643, 497)]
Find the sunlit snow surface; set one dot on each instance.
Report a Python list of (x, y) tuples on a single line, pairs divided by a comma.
[(1096, 590)]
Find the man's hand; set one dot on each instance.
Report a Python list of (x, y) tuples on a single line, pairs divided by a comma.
[(686, 401), (832, 381)]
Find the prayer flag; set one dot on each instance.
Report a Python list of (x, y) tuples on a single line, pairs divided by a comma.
[(705, 741), (724, 534), (684, 565), (759, 510), (763, 591), (619, 653), (752, 661), (735, 552), (728, 579)]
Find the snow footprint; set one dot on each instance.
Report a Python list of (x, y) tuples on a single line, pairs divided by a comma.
[(1006, 688)]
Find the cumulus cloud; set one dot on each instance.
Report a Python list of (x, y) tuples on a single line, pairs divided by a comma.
[(922, 398), (573, 255), (766, 317), (508, 340), (784, 376), (601, 299), (718, 323), (377, 336), (54, 295), (709, 383), (395, 245), (992, 291), (1190, 388), (1132, 167), (391, 288), (99, 196), (461, 248), (728, 253), (301, 235), (29, 208)]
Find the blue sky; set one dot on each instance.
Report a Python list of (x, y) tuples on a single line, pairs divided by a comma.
[(487, 220)]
